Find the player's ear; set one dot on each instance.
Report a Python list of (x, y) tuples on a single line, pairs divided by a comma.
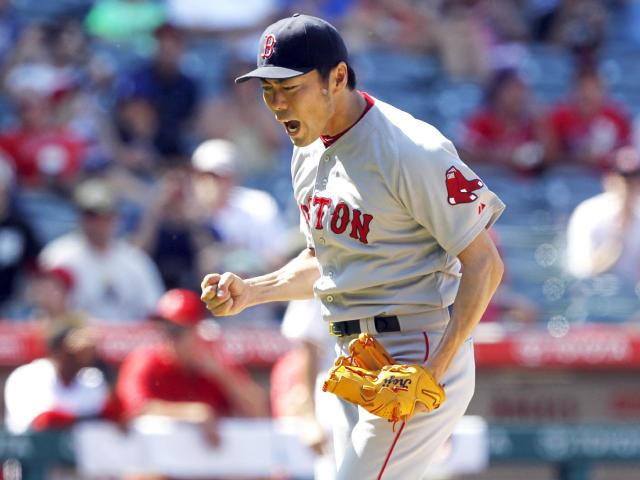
[(339, 77)]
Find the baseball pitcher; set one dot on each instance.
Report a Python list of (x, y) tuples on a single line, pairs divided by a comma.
[(397, 253)]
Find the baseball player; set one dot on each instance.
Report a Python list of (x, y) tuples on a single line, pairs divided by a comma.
[(392, 217)]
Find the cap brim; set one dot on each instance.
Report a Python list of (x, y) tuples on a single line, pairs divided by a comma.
[(276, 73)]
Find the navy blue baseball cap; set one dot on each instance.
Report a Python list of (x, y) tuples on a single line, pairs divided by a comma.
[(296, 45)]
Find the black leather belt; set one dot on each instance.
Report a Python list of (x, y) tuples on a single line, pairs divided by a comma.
[(352, 327)]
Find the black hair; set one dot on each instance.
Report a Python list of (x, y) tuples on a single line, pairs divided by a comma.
[(325, 70), (499, 79)]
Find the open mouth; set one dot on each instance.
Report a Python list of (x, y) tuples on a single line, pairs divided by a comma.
[(292, 126)]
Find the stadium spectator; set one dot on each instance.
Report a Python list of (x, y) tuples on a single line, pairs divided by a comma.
[(228, 209), (19, 247), (588, 127), (506, 131), (172, 93), (170, 231), (603, 231), (45, 155), (60, 389), (114, 280), (186, 377)]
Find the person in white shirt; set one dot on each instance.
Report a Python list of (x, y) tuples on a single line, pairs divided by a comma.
[(244, 220), (59, 389), (114, 280), (603, 231)]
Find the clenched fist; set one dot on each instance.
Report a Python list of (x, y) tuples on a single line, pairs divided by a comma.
[(225, 294)]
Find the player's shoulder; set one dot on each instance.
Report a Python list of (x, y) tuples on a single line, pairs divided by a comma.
[(415, 144), (407, 132)]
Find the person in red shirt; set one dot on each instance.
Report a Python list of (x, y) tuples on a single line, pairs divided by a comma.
[(186, 377), (588, 127), (44, 155), (506, 131)]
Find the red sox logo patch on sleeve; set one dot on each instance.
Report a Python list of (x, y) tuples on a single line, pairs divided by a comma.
[(459, 189)]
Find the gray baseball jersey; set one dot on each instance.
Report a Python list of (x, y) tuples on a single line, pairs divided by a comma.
[(387, 208)]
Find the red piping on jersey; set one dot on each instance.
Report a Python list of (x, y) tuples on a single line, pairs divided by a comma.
[(386, 460), (426, 346), (329, 140)]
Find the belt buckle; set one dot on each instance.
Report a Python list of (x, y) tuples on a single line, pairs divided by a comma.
[(334, 331)]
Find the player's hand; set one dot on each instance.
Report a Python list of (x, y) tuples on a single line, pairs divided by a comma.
[(224, 294)]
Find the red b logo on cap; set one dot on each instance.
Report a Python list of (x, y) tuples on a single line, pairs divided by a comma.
[(269, 43)]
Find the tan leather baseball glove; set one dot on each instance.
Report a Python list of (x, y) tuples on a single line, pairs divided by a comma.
[(370, 377)]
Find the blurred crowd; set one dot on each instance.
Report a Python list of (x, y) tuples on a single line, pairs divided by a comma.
[(131, 165)]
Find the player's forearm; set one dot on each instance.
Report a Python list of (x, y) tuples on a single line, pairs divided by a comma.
[(294, 281), (481, 275)]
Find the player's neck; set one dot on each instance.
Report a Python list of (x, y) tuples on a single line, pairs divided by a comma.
[(349, 109)]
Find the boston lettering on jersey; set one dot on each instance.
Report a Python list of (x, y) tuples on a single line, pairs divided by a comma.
[(344, 219)]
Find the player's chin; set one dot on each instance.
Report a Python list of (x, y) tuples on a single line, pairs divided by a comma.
[(302, 138), (300, 141)]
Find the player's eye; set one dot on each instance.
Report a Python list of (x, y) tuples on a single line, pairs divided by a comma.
[(288, 88)]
